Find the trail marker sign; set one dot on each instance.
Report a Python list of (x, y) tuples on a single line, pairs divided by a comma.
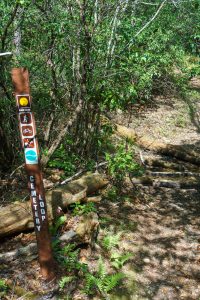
[(27, 127)]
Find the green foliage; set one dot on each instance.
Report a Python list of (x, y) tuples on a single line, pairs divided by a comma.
[(67, 256), (61, 159), (70, 260), (81, 209), (90, 164), (104, 135), (111, 240), (56, 246), (65, 280), (3, 287), (118, 260), (112, 194), (122, 163), (60, 221), (102, 281)]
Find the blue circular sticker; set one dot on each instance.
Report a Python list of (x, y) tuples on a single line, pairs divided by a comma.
[(31, 156)]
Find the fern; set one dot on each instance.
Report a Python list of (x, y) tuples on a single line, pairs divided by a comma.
[(67, 256), (111, 281), (102, 281), (3, 285), (111, 241), (118, 260), (90, 283), (56, 245), (101, 269), (80, 209), (64, 280), (68, 248)]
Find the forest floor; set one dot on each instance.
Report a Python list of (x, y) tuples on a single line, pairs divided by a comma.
[(162, 225), (159, 226)]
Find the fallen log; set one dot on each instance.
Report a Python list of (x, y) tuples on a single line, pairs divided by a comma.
[(148, 143), (172, 174), (31, 249), (84, 232), (161, 163), (17, 217), (191, 183)]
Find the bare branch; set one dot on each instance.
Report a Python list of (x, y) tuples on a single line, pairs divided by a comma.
[(5, 53), (47, 132), (62, 133), (121, 7), (72, 177), (146, 3), (151, 20)]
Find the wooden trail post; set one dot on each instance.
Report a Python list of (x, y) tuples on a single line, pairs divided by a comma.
[(20, 78)]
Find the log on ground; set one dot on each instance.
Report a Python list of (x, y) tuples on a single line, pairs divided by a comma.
[(17, 217), (177, 151), (190, 183), (172, 174), (84, 232), (162, 162)]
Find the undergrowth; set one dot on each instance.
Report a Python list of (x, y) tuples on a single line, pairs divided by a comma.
[(104, 278), (101, 281)]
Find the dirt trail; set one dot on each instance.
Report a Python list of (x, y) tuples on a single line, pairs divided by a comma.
[(161, 226), (162, 230)]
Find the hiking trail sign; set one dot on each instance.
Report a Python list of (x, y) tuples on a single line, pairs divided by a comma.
[(27, 127)]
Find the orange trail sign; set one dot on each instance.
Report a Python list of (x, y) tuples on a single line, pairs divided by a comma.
[(27, 127)]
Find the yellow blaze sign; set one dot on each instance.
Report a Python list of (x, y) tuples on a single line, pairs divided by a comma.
[(23, 101)]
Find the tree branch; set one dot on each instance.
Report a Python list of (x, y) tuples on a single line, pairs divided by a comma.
[(63, 131), (10, 21), (5, 53), (151, 20)]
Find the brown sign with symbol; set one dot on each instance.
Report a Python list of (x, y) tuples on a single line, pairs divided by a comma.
[(29, 143), (25, 118), (27, 130)]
